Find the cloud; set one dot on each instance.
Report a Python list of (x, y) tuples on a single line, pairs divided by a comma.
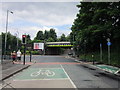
[(30, 17), (43, 13)]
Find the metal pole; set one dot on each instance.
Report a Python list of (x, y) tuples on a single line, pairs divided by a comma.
[(44, 47), (30, 56), (24, 55), (6, 34), (108, 54), (100, 52), (108, 50), (93, 59)]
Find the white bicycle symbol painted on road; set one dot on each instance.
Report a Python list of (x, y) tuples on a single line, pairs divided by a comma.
[(43, 72)]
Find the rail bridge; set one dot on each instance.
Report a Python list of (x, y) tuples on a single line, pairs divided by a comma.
[(56, 48)]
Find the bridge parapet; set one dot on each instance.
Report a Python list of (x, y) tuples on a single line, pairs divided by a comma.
[(59, 44)]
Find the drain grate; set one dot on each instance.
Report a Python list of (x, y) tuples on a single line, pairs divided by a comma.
[(87, 80), (92, 69), (97, 75), (85, 66)]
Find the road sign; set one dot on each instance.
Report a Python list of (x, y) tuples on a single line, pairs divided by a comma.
[(108, 43), (39, 46)]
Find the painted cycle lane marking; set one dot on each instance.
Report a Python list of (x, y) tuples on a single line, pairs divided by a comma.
[(42, 74), (111, 69)]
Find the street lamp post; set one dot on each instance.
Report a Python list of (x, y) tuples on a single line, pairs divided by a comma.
[(6, 32)]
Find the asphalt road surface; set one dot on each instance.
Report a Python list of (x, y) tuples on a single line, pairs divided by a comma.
[(59, 72)]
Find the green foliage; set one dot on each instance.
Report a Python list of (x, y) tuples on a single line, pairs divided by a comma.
[(11, 43), (35, 52), (37, 41), (28, 39), (63, 38), (52, 34), (50, 39), (46, 35), (95, 22), (49, 36), (39, 36), (114, 57)]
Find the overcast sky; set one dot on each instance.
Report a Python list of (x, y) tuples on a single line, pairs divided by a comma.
[(29, 17)]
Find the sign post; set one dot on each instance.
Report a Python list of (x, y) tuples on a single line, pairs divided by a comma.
[(108, 43), (100, 52)]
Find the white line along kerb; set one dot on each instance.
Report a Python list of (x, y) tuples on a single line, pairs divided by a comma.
[(68, 77)]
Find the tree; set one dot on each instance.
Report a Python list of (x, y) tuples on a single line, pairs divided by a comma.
[(50, 39), (39, 35), (46, 35), (28, 39), (95, 22), (52, 34), (10, 44), (63, 38)]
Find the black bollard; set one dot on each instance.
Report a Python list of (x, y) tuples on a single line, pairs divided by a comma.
[(30, 56), (93, 59)]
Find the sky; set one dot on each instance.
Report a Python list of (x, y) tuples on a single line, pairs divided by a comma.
[(30, 17)]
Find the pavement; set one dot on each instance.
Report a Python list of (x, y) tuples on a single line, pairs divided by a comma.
[(9, 69)]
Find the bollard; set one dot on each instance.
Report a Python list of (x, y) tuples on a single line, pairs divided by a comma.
[(93, 59), (30, 56)]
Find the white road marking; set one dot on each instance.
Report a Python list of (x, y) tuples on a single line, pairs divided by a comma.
[(42, 79), (46, 68), (68, 77)]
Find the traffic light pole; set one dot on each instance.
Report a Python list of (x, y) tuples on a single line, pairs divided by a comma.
[(24, 43), (24, 55)]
